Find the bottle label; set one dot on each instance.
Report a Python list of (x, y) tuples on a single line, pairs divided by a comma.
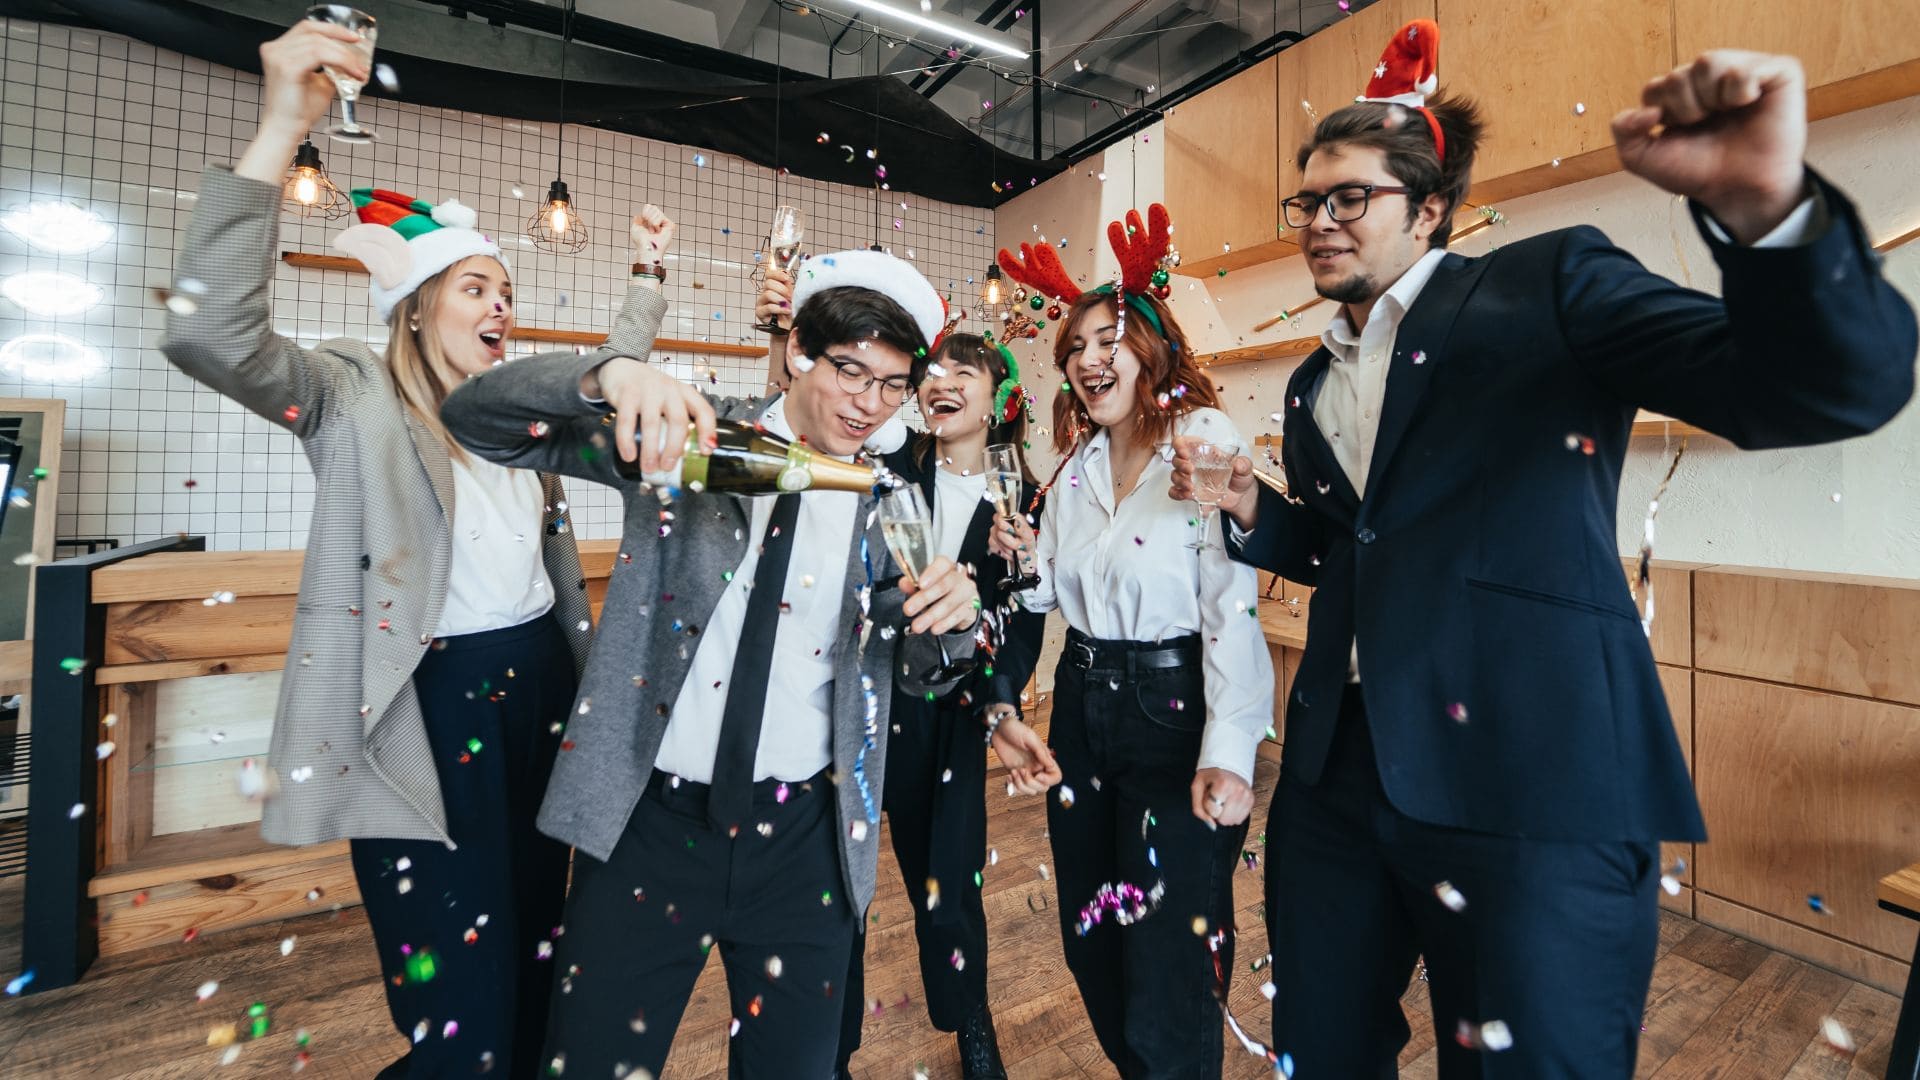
[(797, 475)]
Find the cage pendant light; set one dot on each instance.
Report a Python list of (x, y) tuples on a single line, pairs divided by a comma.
[(308, 191), (557, 224)]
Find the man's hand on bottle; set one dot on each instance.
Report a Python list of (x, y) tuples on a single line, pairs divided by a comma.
[(646, 400), (942, 601)]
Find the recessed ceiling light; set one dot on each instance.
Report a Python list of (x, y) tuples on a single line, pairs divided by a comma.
[(58, 227), (50, 294), (50, 358)]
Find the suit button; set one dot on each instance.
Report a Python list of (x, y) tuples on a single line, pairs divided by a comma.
[(1365, 536)]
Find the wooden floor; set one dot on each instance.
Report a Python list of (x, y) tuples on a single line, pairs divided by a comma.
[(1720, 1007)]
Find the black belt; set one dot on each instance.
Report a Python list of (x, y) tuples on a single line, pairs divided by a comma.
[(1095, 654)]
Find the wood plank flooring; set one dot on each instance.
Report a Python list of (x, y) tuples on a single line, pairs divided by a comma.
[(1719, 1006)]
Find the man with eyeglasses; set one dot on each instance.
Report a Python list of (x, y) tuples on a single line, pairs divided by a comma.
[(723, 774), (1480, 762)]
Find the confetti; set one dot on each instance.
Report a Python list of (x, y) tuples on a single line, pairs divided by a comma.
[(1457, 712), (207, 990), (1450, 896), (1818, 905), (1579, 108), (18, 983), (699, 161), (1837, 1035)]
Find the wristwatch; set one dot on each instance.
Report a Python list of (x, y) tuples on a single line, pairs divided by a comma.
[(653, 270)]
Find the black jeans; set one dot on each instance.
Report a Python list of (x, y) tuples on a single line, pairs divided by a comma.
[(459, 929), (937, 815), (640, 925), (1552, 943), (1128, 744)]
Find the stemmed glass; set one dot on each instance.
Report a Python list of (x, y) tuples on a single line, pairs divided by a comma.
[(349, 87), (907, 526), (1002, 470), (783, 251), (1212, 468)]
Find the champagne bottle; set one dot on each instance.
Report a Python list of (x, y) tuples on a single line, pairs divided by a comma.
[(750, 461)]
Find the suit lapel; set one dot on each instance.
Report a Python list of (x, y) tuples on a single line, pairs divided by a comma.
[(1419, 347), (1305, 447), (434, 459)]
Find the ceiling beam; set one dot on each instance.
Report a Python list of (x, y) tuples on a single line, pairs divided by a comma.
[(736, 21)]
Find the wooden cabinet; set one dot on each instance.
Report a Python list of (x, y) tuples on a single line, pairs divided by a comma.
[(1221, 167), (1862, 54), (1549, 77)]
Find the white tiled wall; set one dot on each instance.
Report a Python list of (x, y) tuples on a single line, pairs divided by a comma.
[(124, 129)]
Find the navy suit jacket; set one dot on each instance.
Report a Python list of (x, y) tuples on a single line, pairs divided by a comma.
[(1481, 569)]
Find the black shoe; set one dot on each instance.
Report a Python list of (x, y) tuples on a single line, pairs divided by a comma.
[(979, 1050)]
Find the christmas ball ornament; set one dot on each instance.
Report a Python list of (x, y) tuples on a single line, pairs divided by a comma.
[(1161, 292), (1033, 331), (1160, 277), (1020, 294), (1039, 324), (1173, 256), (1036, 301), (1053, 311)]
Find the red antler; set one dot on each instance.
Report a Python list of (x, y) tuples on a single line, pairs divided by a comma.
[(1039, 268), (1140, 247)]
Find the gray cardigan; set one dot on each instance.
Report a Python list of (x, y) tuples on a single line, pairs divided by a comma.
[(663, 590), (378, 549)]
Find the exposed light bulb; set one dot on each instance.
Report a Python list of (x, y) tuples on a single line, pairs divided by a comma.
[(305, 191), (557, 217)]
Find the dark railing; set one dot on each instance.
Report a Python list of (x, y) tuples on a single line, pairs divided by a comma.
[(60, 930)]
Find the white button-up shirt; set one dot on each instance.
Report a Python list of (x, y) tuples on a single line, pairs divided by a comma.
[(797, 725), (1119, 569)]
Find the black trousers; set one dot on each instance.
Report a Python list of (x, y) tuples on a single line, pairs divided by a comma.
[(640, 925), (459, 929), (1554, 945), (936, 807), (1128, 742)]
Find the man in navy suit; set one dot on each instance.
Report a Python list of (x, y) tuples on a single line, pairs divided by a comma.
[(1479, 759)]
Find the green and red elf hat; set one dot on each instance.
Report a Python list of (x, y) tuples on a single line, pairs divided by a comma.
[(403, 241)]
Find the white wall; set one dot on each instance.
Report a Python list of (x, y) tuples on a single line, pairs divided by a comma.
[(1769, 509), (124, 129)]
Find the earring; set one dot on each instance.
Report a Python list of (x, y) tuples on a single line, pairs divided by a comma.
[(413, 325)]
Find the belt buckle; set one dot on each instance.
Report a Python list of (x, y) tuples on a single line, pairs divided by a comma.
[(1083, 658)]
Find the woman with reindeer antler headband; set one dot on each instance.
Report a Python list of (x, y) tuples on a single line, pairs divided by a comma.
[(1165, 688)]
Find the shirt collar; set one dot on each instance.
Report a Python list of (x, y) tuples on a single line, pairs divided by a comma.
[(1393, 305)]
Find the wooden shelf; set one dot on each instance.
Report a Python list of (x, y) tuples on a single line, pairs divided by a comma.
[(1281, 626), (309, 261), (1273, 350), (1653, 425), (201, 854)]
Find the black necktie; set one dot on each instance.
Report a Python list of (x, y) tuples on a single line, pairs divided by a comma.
[(731, 800)]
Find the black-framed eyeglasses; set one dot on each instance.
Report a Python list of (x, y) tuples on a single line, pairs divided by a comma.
[(1345, 203), (854, 378)]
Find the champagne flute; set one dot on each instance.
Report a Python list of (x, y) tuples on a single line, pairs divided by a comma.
[(1212, 468), (1002, 470), (907, 526), (349, 87), (783, 251)]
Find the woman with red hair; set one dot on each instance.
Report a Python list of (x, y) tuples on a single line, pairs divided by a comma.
[(1164, 689)]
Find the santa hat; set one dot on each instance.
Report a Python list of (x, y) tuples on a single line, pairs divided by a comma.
[(403, 241), (1408, 71), (895, 279)]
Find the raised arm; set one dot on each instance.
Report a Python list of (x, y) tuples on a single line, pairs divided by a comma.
[(219, 327), (1810, 343)]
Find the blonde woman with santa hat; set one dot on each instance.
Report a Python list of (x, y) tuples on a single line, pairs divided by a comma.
[(442, 617)]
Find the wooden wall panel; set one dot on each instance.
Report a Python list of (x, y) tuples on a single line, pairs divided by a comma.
[(1529, 83), (1806, 794), (1220, 165), (1841, 48), (188, 629), (167, 912), (1672, 638), (1853, 635)]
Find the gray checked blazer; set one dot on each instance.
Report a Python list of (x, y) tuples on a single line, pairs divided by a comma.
[(662, 592), (378, 549)]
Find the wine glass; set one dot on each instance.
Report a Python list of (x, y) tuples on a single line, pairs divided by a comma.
[(1002, 470), (783, 251), (1212, 468), (907, 526), (349, 87)]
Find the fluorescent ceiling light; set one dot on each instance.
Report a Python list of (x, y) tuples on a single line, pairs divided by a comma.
[(947, 28), (50, 294), (53, 358), (58, 227)]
